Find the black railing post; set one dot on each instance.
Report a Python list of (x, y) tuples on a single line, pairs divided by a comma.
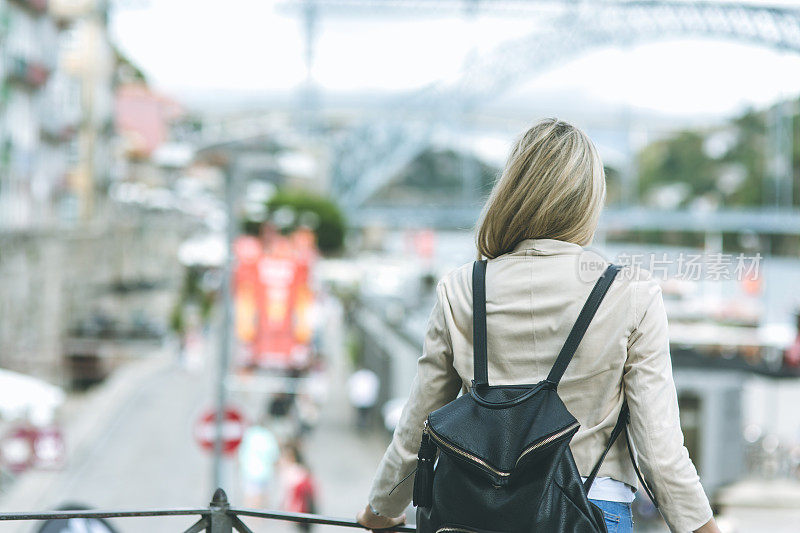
[(219, 519)]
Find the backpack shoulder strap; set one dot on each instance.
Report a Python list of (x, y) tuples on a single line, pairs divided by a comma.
[(645, 486), (619, 427), (479, 357), (579, 328)]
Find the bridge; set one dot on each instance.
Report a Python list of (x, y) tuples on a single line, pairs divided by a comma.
[(366, 155), (375, 150)]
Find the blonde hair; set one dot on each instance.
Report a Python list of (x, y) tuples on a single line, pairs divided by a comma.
[(552, 187)]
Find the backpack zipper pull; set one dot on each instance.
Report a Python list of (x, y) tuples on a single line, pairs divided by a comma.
[(423, 481)]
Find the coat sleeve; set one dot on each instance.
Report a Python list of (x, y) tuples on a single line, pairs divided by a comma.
[(435, 384), (655, 425)]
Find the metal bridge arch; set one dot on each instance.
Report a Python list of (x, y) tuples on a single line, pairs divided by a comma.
[(371, 153)]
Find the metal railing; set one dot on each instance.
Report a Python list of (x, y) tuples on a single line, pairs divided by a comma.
[(218, 517)]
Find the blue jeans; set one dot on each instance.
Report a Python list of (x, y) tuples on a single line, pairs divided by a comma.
[(619, 518)]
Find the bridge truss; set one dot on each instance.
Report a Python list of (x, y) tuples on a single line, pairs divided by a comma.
[(371, 153)]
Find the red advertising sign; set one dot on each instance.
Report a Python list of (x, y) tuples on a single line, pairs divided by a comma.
[(246, 287), (274, 339), (273, 298)]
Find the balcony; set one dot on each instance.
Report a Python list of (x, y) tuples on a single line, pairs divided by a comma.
[(32, 74), (36, 6)]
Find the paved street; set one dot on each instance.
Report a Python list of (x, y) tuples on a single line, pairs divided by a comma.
[(145, 456)]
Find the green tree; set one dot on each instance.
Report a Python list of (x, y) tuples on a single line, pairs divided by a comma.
[(748, 151), (678, 159), (320, 213), (682, 159), (796, 156), (613, 186)]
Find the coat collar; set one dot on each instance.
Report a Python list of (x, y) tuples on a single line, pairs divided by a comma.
[(547, 247)]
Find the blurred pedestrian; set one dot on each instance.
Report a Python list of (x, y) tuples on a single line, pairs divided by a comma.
[(791, 357), (282, 408), (298, 483), (258, 455), (281, 404), (363, 388), (307, 414)]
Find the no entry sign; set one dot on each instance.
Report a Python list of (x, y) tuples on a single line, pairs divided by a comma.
[(205, 430), (28, 446)]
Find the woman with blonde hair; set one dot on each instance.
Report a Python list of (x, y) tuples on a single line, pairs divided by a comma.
[(539, 216)]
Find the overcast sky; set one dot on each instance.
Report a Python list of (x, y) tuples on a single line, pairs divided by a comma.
[(191, 48)]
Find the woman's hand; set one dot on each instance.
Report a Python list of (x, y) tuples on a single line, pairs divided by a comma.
[(370, 520)]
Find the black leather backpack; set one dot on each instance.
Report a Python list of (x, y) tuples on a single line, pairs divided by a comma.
[(505, 463)]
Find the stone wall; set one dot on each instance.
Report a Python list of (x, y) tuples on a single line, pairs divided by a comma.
[(51, 279)]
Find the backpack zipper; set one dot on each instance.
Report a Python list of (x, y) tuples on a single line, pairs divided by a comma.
[(474, 458), (441, 441), (463, 529), (547, 440)]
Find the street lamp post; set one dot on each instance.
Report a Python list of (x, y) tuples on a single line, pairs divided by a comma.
[(230, 169)]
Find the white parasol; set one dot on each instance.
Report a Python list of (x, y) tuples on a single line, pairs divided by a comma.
[(22, 395)]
